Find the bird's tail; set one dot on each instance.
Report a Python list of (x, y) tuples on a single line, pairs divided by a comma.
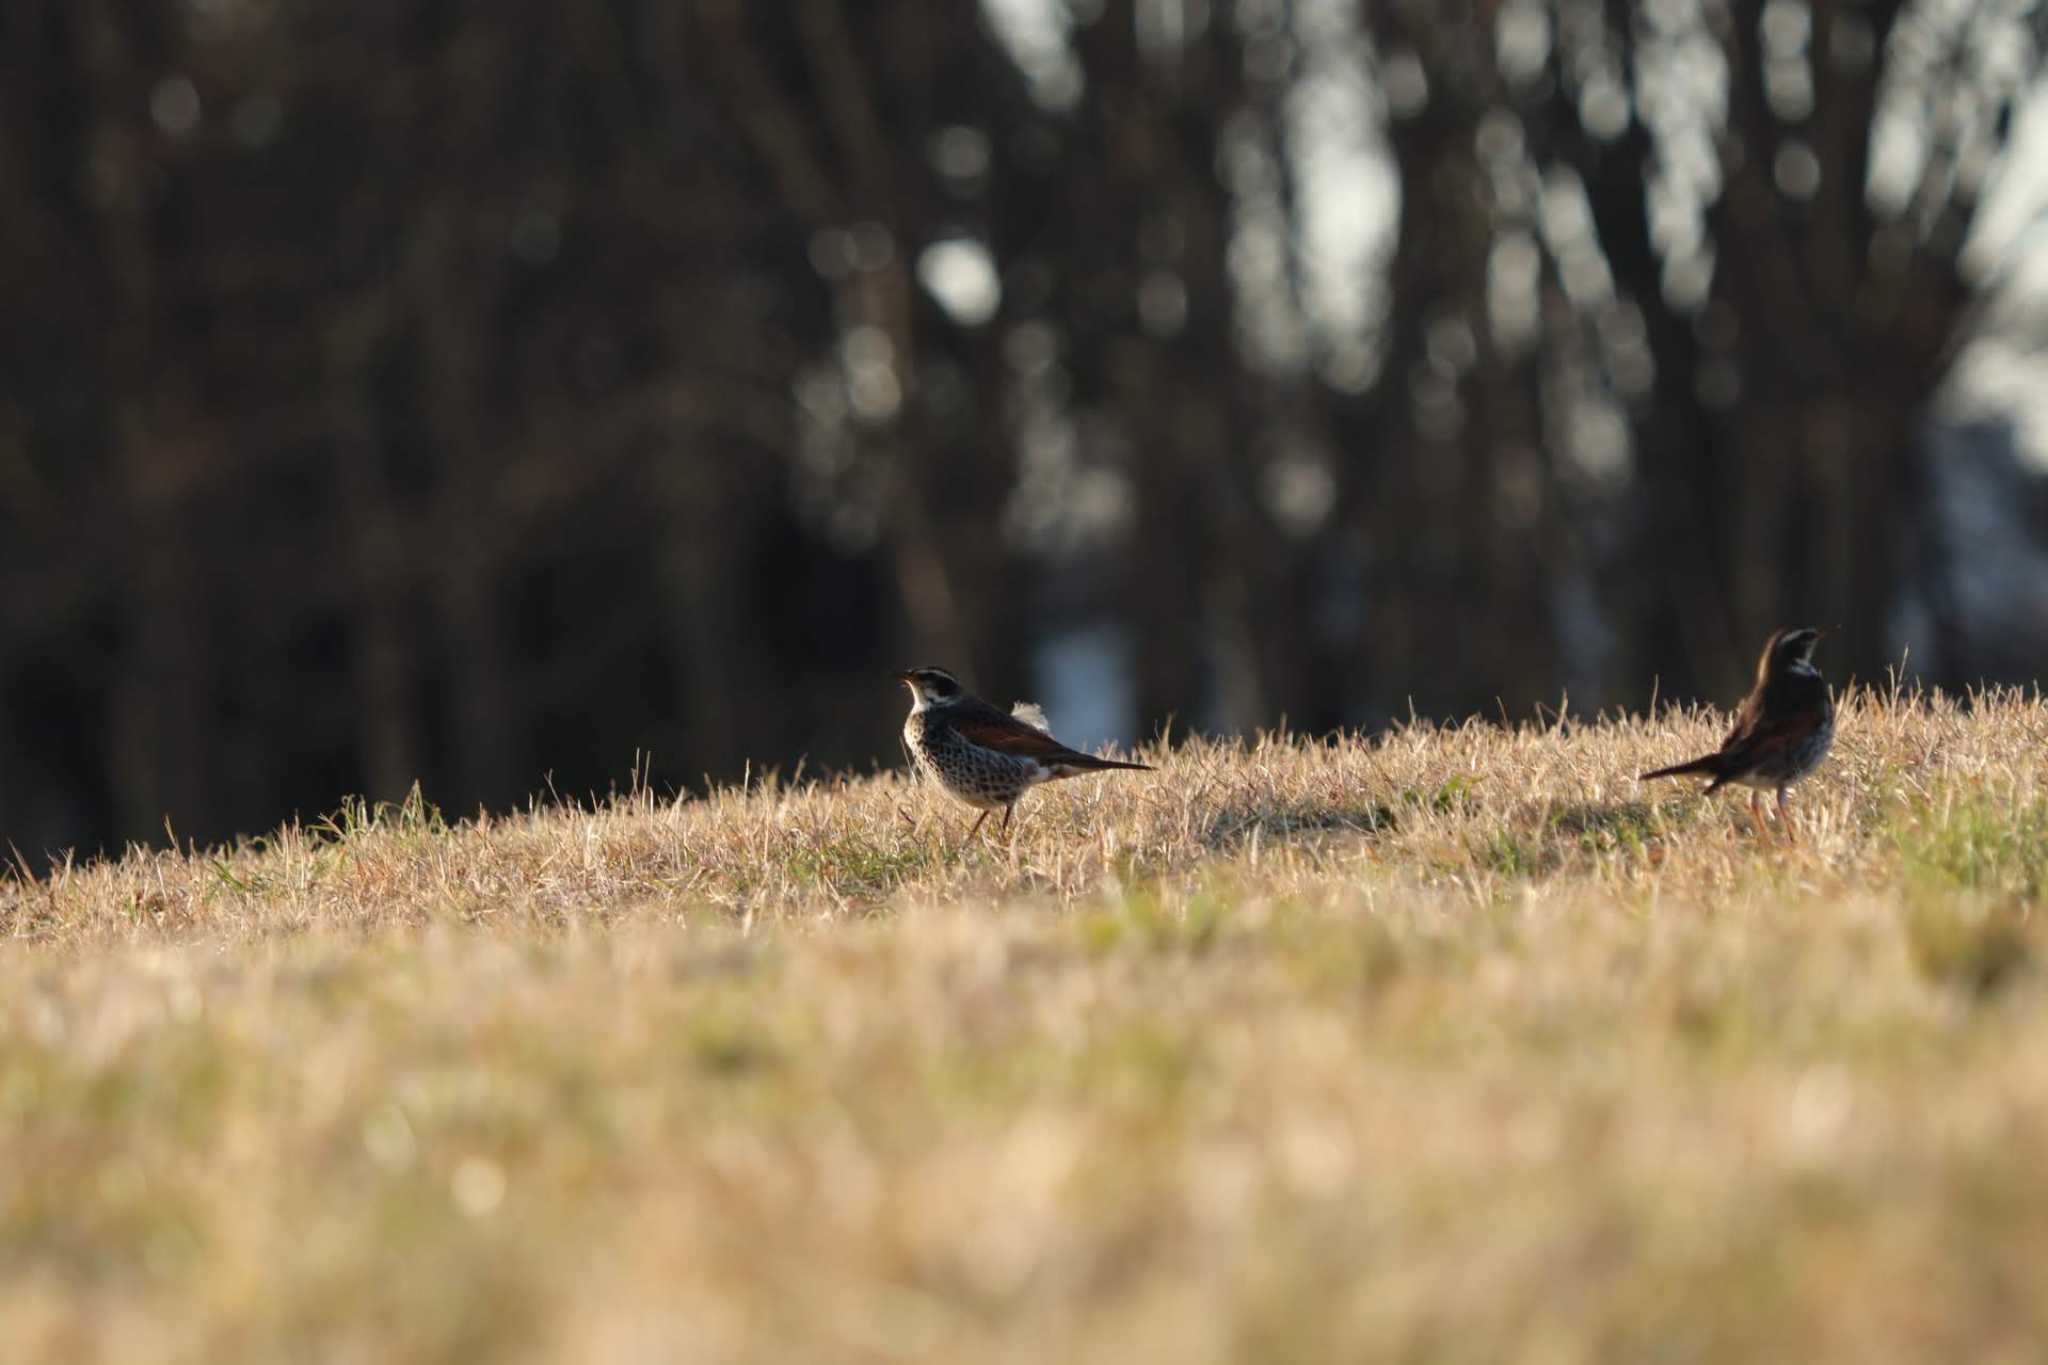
[(1094, 762), (1073, 761), (1698, 765)]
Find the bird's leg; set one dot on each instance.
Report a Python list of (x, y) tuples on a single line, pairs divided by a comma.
[(1006, 819), (1756, 814), (1785, 815), (973, 829)]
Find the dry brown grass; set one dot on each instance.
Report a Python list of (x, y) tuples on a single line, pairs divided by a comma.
[(1459, 1045)]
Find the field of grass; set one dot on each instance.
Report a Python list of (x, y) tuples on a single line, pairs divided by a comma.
[(1459, 1045)]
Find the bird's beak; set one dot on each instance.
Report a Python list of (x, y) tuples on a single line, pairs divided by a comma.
[(903, 678)]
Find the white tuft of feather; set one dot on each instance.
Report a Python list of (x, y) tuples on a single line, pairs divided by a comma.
[(1033, 715)]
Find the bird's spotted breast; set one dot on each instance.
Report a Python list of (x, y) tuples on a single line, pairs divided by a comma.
[(973, 773)]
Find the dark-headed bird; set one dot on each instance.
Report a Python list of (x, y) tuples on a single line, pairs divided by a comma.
[(980, 754), (1782, 729)]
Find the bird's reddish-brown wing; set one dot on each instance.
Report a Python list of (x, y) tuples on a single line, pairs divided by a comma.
[(1758, 737), (1748, 717), (1007, 735)]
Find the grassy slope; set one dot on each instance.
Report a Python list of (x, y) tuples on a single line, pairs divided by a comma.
[(1459, 1046)]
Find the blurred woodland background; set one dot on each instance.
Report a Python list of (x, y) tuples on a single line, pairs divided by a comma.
[(482, 391)]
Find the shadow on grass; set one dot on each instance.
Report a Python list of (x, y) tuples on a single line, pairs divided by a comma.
[(1235, 823), (1562, 835), (1612, 825)]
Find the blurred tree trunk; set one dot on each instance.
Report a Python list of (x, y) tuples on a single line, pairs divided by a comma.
[(1461, 515), (159, 721), (381, 575), (1681, 629), (1149, 206), (447, 288), (1834, 329), (702, 576)]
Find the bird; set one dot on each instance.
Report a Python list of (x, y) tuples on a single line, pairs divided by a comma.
[(1782, 729), (981, 754)]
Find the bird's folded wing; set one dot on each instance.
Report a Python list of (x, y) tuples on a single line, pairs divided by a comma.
[(1744, 727), (1008, 735), (1767, 737)]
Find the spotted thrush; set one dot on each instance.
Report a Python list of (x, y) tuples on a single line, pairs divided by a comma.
[(984, 756), (1782, 729)]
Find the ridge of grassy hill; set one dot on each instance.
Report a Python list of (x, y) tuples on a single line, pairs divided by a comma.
[(1456, 1044)]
